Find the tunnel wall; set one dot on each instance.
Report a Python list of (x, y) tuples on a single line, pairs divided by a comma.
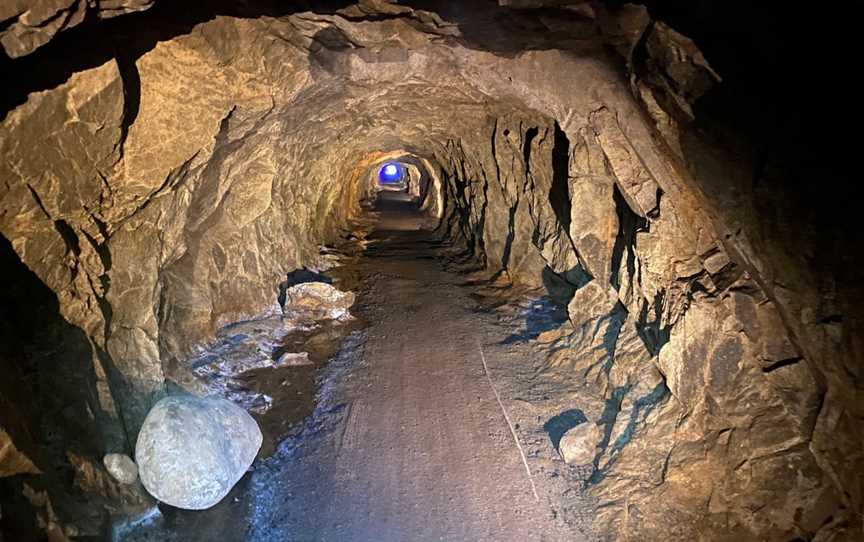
[(153, 242), (162, 206), (706, 397)]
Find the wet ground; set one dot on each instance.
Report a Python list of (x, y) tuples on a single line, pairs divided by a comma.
[(429, 417)]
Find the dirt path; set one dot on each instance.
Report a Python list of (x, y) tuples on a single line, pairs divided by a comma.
[(422, 450), (408, 441)]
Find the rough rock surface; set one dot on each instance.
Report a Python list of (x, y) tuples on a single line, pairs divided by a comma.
[(165, 185), (121, 467), (192, 450), (294, 358), (12, 461), (29, 24), (317, 301)]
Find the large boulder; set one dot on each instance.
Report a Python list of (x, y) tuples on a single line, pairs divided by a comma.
[(317, 301), (192, 450)]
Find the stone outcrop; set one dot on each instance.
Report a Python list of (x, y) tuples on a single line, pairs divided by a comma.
[(164, 193), (12, 461), (691, 397)]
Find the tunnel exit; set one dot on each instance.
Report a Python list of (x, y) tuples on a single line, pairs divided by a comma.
[(391, 174)]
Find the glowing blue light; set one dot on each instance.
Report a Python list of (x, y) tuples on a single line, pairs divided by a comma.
[(390, 174)]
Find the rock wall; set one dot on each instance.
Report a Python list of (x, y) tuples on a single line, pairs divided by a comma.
[(706, 396), (163, 191), (163, 205), (28, 24)]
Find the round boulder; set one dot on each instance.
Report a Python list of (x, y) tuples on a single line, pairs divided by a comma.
[(192, 450)]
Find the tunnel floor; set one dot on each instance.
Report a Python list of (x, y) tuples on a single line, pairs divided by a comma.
[(407, 440)]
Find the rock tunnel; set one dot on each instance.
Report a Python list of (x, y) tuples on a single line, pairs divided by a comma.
[(615, 295)]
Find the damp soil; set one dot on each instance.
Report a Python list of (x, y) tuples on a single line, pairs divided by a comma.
[(421, 420), (293, 388)]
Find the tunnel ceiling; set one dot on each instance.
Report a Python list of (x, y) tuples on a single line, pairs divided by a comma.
[(164, 168)]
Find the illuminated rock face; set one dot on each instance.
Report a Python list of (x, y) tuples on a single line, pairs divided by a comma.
[(29, 25), (164, 190)]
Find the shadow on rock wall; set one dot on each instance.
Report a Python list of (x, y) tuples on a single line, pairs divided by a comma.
[(49, 392)]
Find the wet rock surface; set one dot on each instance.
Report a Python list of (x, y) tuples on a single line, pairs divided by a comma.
[(269, 365), (192, 450), (121, 467), (317, 301)]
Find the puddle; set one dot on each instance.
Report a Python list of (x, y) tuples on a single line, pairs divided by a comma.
[(293, 388), (270, 366)]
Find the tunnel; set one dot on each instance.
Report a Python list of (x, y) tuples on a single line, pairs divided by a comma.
[(386, 270)]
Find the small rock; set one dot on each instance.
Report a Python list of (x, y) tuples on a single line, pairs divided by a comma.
[(579, 445), (317, 301), (192, 450), (121, 468)]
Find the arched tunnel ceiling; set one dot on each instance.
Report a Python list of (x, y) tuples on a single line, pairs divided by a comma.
[(164, 179)]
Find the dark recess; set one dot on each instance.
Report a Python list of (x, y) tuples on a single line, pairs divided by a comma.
[(559, 194), (47, 391)]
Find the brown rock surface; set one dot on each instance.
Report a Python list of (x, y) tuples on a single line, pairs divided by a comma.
[(29, 24), (12, 461)]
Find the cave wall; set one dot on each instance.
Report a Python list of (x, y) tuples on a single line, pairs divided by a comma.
[(29, 25), (162, 196), (705, 396), (101, 210), (153, 241)]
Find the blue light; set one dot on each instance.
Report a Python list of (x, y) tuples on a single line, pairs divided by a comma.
[(390, 174)]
